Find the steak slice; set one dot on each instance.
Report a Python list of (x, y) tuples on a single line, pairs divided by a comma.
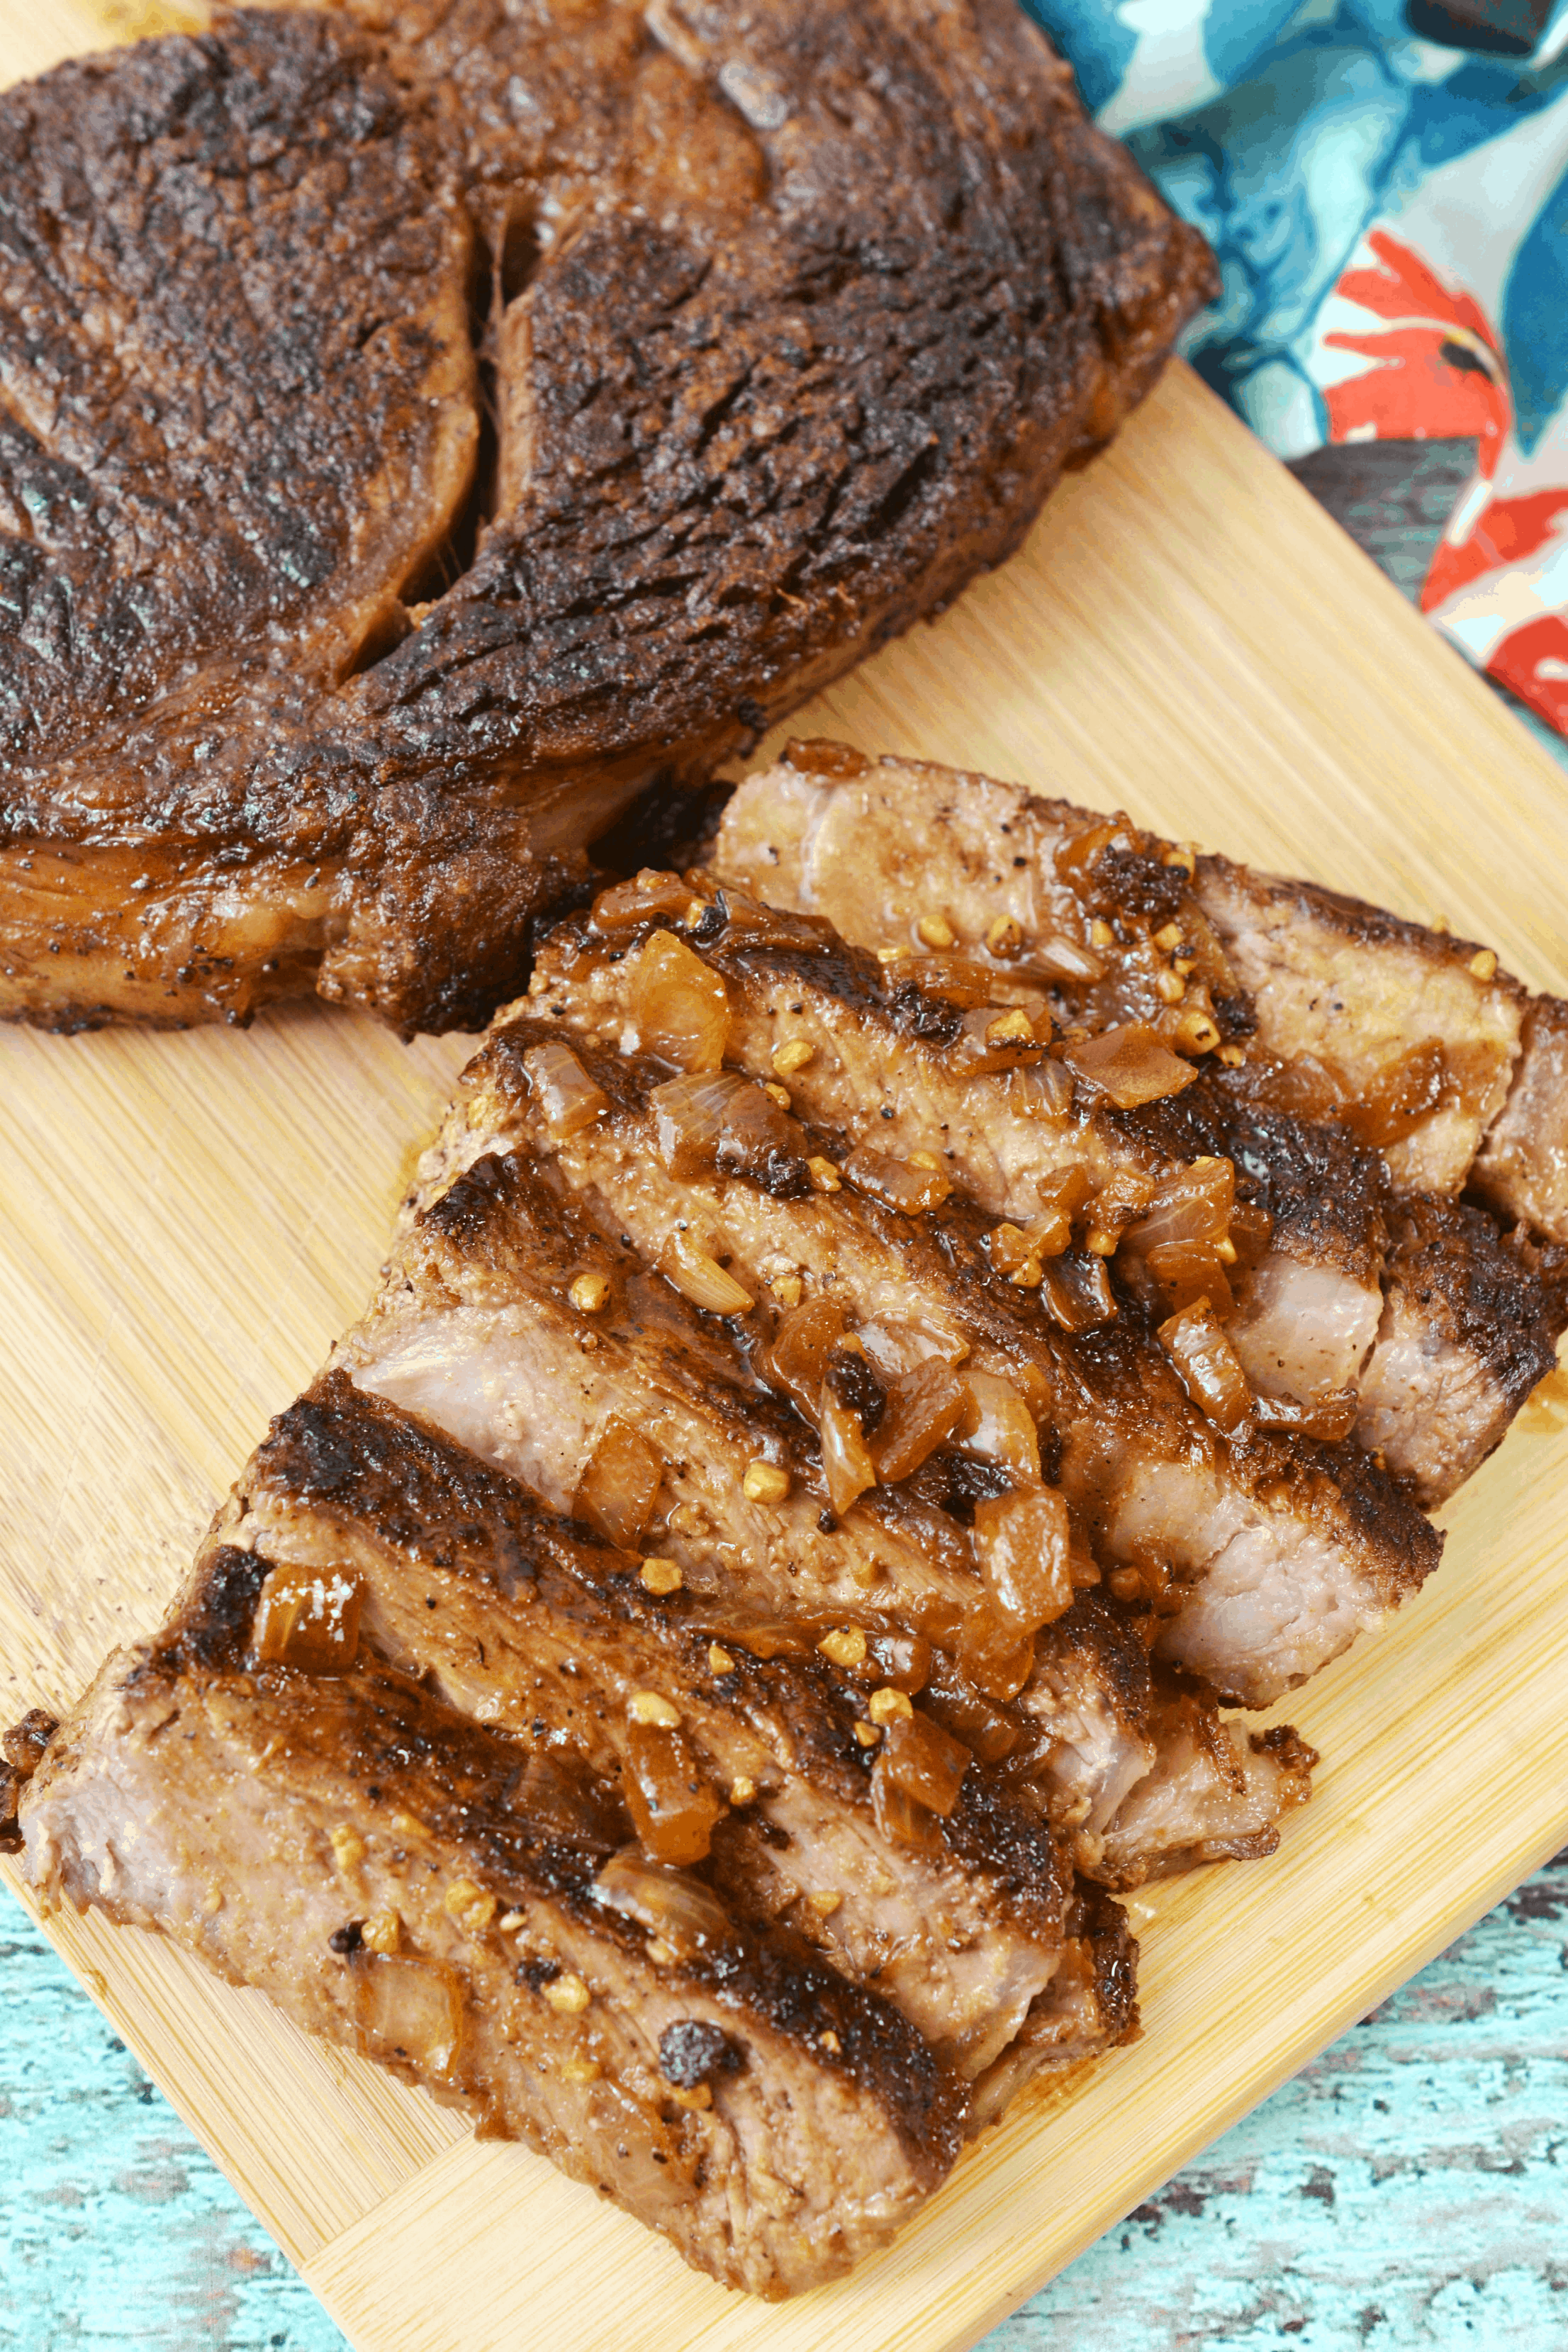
[(881, 849), (1523, 1168), (535, 1627), (786, 321), (1232, 1531), (1466, 1333), (367, 1857)]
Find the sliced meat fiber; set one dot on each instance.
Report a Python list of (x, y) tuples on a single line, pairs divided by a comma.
[(531, 1625), (912, 1296), (784, 324), (885, 1068), (1155, 1480), (1523, 1168), (365, 1856), (881, 847), (1467, 1332), (1409, 1034)]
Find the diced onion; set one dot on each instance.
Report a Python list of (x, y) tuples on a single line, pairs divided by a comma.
[(957, 1706), (1196, 1204), (620, 1480), (999, 1427), (897, 1183), (698, 1276), (678, 1005), (924, 1407), (556, 1803), (1076, 1291), (901, 1818), (1023, 1543), (924, 1761), (1181, 1273), (1206, 1364), (1043, 1091), (1130, 1064), (688, 1915), (568, 1100), (410, 2009), (994, 1656), (847, 1463), (717, 1118), (653, 892), (308, 1618), (796, 1361), (673, 1809)]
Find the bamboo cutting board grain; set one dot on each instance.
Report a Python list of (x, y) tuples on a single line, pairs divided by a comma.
[(188, 1220)]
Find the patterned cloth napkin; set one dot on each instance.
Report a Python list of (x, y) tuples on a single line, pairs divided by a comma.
[(1385, 182)]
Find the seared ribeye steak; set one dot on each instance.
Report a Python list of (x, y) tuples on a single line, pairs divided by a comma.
[(787, 319), (1347, 1065), (373, 1861)]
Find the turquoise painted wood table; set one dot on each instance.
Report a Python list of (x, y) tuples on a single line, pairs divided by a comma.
[(1407, 2193)]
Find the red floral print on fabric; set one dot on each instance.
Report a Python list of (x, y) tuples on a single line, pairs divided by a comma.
[(1505, 533), (1437, 373), (1533, 664)]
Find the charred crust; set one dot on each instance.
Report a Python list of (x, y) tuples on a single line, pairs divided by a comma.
[(23, 1746), (213, 1629), (1103, 1922), (1454, 1263), (694, 2050)]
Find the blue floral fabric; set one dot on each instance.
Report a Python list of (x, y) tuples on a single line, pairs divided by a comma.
[(1391, 218)]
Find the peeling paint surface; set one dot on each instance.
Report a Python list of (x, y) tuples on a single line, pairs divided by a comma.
[(1407, 2193)]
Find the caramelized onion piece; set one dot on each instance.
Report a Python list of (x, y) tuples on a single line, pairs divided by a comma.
[(994, 1656), (698, 1276), (1063, 959), (896, 1183), (1075, 1290), (995, 1037), (652, 892), (568, 1100), (678, 1005), (673, 1809), (999, 1427), (818, 755), (796, 1361), (409, 2008), (924, 1407), (957, 1706), (899, 1658), (847, 1463), (924, 1761), (688, 1915), (1196, 1204), (717, 1118), (1251, 1231), (1206, 1364), (1178, 1274), (1131, 1065), (900, 1817), (309, 1618), (1022, 1544), (620, 1480), (1045, 1091), (1331, 1417)]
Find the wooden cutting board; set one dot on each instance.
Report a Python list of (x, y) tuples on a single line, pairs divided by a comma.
[(188, 1219)]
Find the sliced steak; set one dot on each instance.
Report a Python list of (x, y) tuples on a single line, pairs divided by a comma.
[(1523, 1168), (787, 322), (881, 849), (366, 1856), (1467, 1330), (760, 1771), (1155, 1478)]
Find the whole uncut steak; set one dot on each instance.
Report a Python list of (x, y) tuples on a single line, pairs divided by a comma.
[(420, 435)]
